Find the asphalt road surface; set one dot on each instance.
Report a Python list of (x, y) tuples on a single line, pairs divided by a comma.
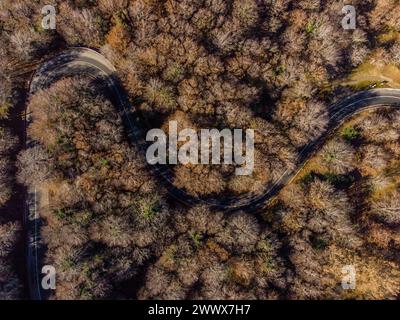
[(84, 61)]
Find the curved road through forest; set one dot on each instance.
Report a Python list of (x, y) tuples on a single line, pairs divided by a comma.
[(76, 61)]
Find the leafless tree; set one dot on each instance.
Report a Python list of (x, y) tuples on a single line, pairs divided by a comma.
[(34, 166), (338, 156), (388, 207), (240, 233)]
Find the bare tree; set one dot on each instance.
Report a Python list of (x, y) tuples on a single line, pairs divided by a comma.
[(34, 166), (388, 207), (375, 158), (9, 234), (240, 233), (338, 157), (304, 120)]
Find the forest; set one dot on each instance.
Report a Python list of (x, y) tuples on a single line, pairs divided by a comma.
[(112, 230)]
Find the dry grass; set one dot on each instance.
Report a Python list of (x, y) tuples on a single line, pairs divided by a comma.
[(369, 74), (376, 278)]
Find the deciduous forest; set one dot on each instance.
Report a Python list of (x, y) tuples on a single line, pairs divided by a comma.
[(111, 229)]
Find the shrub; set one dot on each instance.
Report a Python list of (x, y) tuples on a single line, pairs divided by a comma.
[(350, 134)]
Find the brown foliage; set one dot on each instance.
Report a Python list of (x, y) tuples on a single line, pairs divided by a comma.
[(264, 65)]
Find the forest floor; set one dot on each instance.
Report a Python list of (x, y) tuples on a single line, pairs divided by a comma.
[(379, 76)]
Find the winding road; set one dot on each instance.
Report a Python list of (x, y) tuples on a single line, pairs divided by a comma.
[(76, 61)]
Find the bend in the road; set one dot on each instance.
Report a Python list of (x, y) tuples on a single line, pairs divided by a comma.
[(87, 61)]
